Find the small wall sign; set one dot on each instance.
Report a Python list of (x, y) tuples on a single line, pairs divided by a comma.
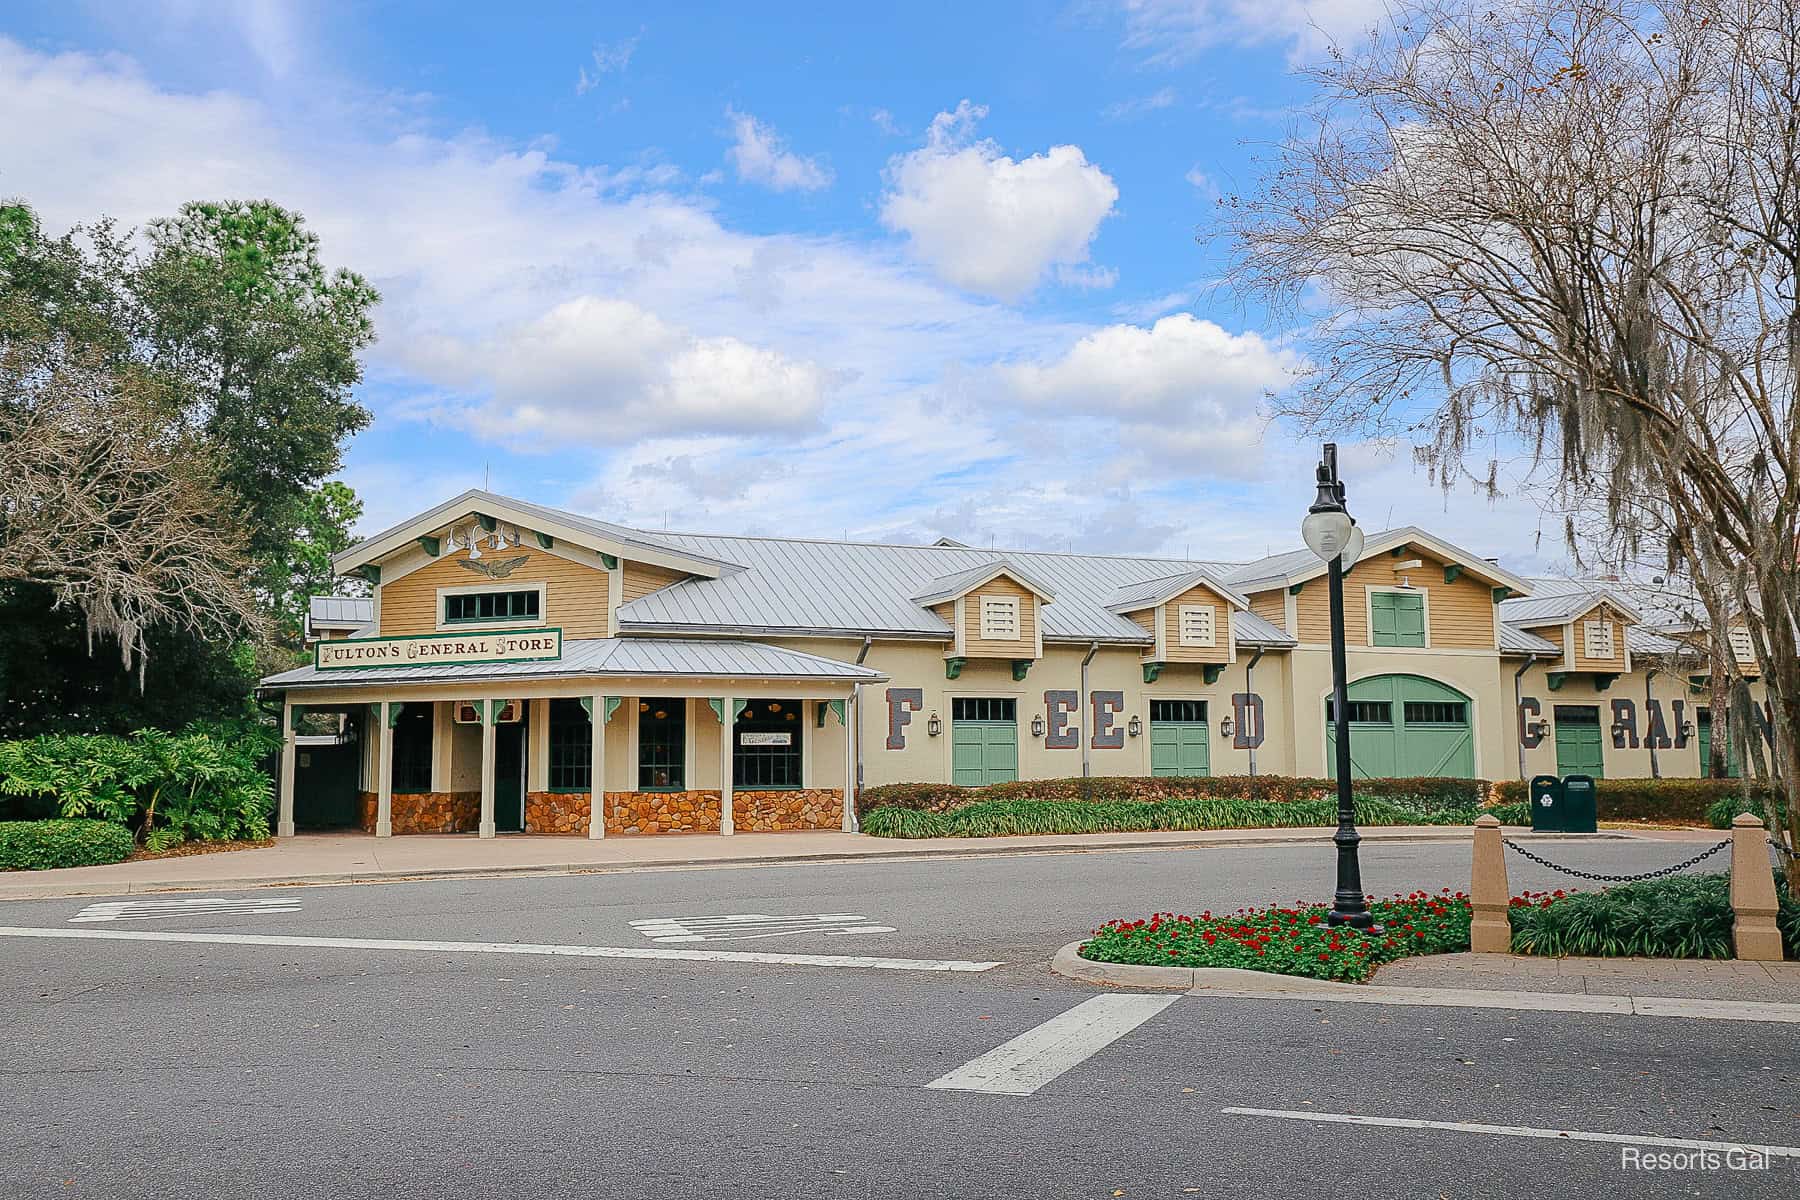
[(440, 649), (765, 739)]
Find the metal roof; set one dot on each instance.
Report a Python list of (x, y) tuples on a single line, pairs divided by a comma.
[(1248, 629), (957, 583), (585, 657), (855, 588), (1296, 565), (340, 612), (1658, 643), (1519, 641), (1562, 606), (1150, 592)]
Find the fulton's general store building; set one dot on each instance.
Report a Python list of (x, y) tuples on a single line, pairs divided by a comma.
[(519, 668)]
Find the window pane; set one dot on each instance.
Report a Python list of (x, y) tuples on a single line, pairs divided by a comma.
[(662, 744), (1367, 712), (1178, 710), (571, 747), (767, 744), (1420, 712), (491, 606), (983, 708)]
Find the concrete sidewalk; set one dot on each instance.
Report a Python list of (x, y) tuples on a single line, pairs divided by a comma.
[(1685, 978), (349, 857)]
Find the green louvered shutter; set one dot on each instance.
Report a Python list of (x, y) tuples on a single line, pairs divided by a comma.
[(1397, 619)]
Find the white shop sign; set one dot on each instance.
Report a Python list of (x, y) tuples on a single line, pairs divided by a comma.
[(438, 649), (765, 739)]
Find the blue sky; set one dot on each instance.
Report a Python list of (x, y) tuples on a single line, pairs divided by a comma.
[(935, 269)]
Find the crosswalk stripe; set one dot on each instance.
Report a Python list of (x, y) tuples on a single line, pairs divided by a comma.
[(1037, 1056)]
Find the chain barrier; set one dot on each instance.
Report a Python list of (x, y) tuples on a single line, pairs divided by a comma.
[(1783, 850), (1656, 874)]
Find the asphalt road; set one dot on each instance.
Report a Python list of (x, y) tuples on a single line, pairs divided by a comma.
[(164, 1069)]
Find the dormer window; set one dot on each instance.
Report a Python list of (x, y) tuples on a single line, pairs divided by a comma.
[(491, 606), (1000, 618)]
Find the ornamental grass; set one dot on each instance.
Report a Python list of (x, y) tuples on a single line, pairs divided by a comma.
[(1290, 941), (1013, 818)]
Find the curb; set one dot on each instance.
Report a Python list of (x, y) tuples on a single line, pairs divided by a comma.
[(1070, 964)]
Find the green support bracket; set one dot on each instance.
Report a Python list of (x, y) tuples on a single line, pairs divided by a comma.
[(545, 540), (393, 715), (1699, 685), (953, 667), (1020, 667), (1501, 593), (718, 707), (1210, 673), (1602, 682), (612, 706), (1452, 571), (738, 707), (837, 706), (1400, 550), (1554, 680), (490, 710), (370, 572), (1152, 670), (609, 561), (430, 545), (296, 715), (487, 522), (1294, 589), (587, 706)]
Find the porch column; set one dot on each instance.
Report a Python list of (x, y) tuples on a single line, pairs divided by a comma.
[(284, 799), (385, 713), (489, 710), (728, 722), (850, 711), (597, 766)]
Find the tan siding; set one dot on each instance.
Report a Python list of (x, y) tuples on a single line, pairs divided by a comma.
[(1146, 617), (1582, 662), (1461, 613), (1219, 651), (574, 595), (1271, 607), (641, 579), (973, 644)]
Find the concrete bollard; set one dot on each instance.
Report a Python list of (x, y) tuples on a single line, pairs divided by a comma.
[(1491, 930), (1753, 933)]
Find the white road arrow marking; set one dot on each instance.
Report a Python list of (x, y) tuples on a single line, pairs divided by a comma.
[(738, 927), (195, 906)]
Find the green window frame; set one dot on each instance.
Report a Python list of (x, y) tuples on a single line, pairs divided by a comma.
[(662, 744), (1436, 712), (984, 708), (771, 766), (1397, 618), (475, 608), (1183, 711), (412, 734), (571, 752)]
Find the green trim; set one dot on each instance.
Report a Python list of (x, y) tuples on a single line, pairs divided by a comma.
[(587, 706), (487, 523), (737, 709), (393, 713), (430, 545), (825, 706), (1152, 670), (1603, 681), (718, 707), (545, 540), (370, 572), (424, 637), (1554, 680), (1020, 667), (1295, 588), (1451, 571), (1210, 673), (568, 791), (296, 715), (612, 706), (1501, 593), (953, 667), (837, 706), (609, 561), (1699, 685), (1400, 550)]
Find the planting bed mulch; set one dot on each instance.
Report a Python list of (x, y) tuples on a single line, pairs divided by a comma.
[(187, 848)]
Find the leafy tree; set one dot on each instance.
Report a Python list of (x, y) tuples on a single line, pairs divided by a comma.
[(326, 515)]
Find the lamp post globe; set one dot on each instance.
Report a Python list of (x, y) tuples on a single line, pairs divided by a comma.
[(1331, 533)]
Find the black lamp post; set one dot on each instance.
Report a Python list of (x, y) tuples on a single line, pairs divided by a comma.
[(1331, 533)]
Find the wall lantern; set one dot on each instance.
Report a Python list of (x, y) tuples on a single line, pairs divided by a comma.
[(935, 725), (1135, 726), (1687, 730), (1225, 726), (1037, 726), (1619, 730)]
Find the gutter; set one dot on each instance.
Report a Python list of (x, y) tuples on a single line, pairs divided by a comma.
[(1530, 658), (1250, 667), (1087, 703)]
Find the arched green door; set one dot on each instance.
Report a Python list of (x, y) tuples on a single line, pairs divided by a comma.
[(1404, 726)]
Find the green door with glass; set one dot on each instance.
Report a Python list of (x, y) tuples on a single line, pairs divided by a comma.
[(1578, 740), (1180, 743), (1405, 726), (984, 740)]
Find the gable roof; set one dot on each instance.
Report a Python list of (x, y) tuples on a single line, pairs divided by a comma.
[(1148, 593), (1561, 607), (583, 531), (1514, 640), (1297, 566), (960, 583)]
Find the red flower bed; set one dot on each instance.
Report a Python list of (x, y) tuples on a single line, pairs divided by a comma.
[(1289, 941)]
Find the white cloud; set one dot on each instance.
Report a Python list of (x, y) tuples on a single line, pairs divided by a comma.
[(986, 222), (608, 59), (761, 156), (1139, 105), (1173, 31)]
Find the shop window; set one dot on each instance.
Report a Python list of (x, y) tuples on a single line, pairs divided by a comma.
[(571, 747), (662, 745), (412, 749), (1000, 618), (768, 750), (467, 608)]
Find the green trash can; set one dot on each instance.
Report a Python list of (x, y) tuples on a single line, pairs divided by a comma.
[(1546, 797), (1580, 804)]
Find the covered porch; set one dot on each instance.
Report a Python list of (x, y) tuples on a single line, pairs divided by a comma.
[(689, 736)]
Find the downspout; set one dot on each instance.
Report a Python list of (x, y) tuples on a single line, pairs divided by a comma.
[(856, 732), (1518, 714), (1655, 767), (1249, 668), (1087, 705)]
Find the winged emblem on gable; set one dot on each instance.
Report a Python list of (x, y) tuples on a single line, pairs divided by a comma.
[(496, 568)]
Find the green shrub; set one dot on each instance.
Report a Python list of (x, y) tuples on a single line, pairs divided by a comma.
[(1687, 800), (1726, 809), (1678, 916), (1511, 814), (41, 845), (205, 783), (1012, 818), (1421, 793)]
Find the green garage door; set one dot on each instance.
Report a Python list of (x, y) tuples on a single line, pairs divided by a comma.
[(1403, 726), (984, 741), (1578, 740), (1179, 739)]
